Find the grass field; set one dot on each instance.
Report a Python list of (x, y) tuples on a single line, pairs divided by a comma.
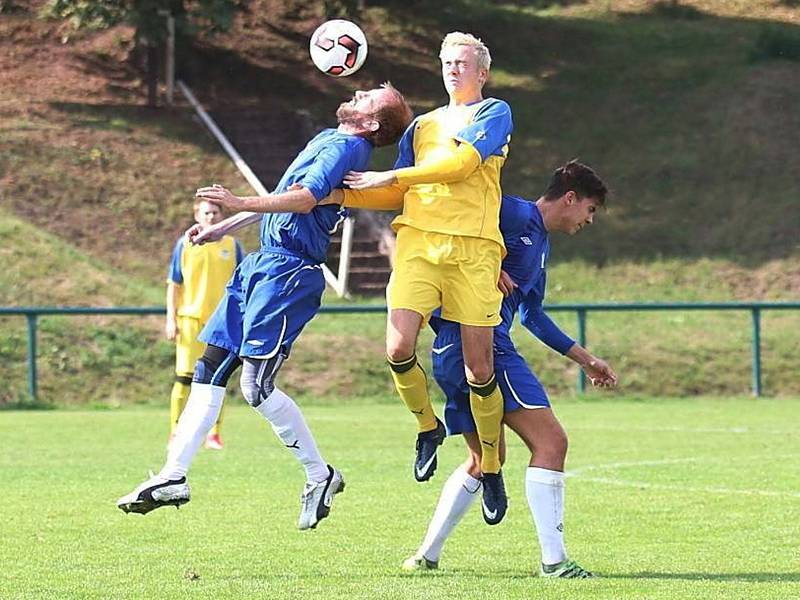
[(667, 499)]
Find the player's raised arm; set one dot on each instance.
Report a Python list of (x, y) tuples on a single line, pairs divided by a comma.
[(455, 167), (295, 200), (197, 234), (487, 135)]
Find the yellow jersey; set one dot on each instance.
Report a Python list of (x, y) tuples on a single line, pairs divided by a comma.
[(470, 207), (202, 273)]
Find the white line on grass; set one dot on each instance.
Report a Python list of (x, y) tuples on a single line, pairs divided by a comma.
[(631, 463), (579, 472), (683, 429), (676, 488)]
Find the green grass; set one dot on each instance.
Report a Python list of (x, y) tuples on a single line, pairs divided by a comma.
[(669, 499)]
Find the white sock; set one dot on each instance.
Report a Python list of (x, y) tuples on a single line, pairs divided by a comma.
[(458, 494), (289, 425), (201, 412), (545, 492)]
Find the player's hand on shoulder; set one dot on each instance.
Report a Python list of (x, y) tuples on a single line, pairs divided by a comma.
[(369, 179), (220, 195), (506, 284)]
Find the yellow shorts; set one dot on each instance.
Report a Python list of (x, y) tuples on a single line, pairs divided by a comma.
[(188, 349), (458, 273)]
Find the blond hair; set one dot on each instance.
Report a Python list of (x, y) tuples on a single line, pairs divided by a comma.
[(457, 38)]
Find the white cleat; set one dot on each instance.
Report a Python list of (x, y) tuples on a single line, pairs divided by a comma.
[(419, 563), (155, 493), (317, 499)]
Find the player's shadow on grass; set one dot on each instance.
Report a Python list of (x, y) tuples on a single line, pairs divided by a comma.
[(732, 577)]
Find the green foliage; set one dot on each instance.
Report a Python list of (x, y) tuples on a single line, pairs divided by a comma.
[(147, 16), (89, 14), (777, 42)]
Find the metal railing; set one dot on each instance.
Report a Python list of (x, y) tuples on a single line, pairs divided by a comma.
[(32, 313)]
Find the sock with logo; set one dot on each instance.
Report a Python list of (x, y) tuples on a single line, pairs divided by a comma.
[(545, 492), (202, 410), (486, 403), (412, 385), (289, 425), (458, 494)]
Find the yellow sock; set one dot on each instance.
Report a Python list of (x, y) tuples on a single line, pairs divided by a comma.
[(486, 402), (178, 398), (412, 385), (215, 429)]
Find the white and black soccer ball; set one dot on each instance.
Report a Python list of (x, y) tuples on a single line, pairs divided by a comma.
[(338, 47)]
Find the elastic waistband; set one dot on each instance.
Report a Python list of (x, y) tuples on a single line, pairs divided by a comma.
[(288, 252)]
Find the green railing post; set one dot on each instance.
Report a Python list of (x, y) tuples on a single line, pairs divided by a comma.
[(756, 314), (32, 355), (582, 342)]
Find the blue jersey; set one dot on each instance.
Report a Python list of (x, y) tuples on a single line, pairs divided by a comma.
[(528, 248), (320, 167)]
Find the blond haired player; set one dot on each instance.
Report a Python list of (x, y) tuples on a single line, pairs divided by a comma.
[(195, 285), (449, 250)]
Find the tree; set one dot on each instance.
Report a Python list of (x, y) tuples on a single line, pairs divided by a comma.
[(148, 18)]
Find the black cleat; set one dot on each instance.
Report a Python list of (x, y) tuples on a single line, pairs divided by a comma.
[(428, 443), (495, 501)]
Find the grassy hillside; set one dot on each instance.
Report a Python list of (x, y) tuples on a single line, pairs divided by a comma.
[(689, 113), (689, 118)]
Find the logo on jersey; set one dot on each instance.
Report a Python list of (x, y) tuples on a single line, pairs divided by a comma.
[(526, 240), (481, 135)]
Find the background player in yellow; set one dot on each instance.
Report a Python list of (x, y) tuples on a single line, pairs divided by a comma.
[(449, 250), (196, 282)]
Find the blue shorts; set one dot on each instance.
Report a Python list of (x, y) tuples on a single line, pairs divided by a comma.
[(518, 384), (269, 299)]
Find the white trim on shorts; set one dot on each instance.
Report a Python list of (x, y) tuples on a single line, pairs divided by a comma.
[(516, 396), (272, 352)]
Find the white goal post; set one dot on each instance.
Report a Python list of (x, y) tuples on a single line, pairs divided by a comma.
[(338, 283)]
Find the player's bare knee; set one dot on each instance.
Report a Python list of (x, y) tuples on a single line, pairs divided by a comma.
[(550, 451), (478, 374), (557, 443), (399, 350)]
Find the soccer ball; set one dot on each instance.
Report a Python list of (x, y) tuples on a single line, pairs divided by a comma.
[(338, 48)]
